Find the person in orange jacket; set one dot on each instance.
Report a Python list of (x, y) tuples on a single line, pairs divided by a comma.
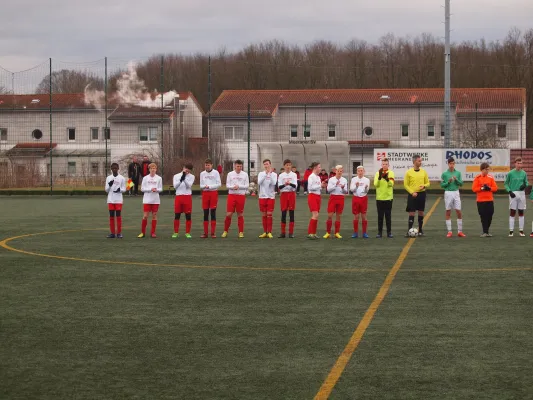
[(484, 186)]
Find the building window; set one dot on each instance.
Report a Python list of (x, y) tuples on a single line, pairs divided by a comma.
[(71, 133), (148, 133), (37, 134), (502, 130), (294, 131), (491, 129), (368, 131), (107, 132), (71, 167), (95, 134), (3, 134), (252, 164), (431, 131), (332, 131), (94, 168), (405, 130), (442, 130), (234, 132), (307, 131)]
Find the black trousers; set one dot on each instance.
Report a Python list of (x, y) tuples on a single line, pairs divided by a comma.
[(384, 210), (485, 210), (305, 186)]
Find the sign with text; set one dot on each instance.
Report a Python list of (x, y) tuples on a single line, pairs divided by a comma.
[(400, 160), (468, 161)]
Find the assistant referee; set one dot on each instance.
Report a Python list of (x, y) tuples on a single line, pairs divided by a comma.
[(416, 181)]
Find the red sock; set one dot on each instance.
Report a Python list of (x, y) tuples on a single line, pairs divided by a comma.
[(337, 226), (365, 224), (206, 227), (315, 225), (356, 225), (143, 227), (291, 228), (283, 228), (119, 224), (176, 226), (227, 223), (265, 224), (269, 223), (112, 225), (310, 227), (213, 227), (188, 224), (154, 224), (328, 225), (240, 222)]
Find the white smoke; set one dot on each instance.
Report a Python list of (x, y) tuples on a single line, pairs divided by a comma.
[(131, 91)]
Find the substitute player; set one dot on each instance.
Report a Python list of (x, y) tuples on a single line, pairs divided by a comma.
[(451, 181), (151, 186), (209, 184), (314, 200), (114, 187), (484, 186), (237, 183), (359, 186), (288, 184), (183, 201), (516, 184), (384, 183), (267, 181), (416, 181), (337, 189)]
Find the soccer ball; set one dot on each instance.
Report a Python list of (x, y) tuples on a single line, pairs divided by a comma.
[(413, 232)]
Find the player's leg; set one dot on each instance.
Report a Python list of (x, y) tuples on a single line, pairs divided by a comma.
[(490, 213), (388, 217), (482, 210), (338, 214), (313, 200), (240, 214), (355, 213), (155, 208), (230, 209), (459, 213), (177, 216), (213, 204), (146, 211), (187, 209), (411, 210), (291, 206), (270, 209), (512, 214), (205, 208), (363, 211), (521, 210), (283, 223), (112, 231), (420, 207), (329, 221), (380, 206), (263, 211), (118, 214), (291, 223), (448, 204)]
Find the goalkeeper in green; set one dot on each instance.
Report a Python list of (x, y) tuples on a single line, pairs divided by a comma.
[(515, 184)]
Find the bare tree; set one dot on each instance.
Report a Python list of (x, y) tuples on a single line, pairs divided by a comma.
[(470, 134), (3, 90), (69, 81)]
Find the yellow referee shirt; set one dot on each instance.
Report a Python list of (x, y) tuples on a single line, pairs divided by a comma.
[(413, 180)]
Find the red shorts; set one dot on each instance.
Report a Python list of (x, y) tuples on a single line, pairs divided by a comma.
[(183, 204), (288, 201), (209, 199), (267, 205), (235, 202), (314, 201), (114, 207), (336, 204), (359, 205), (151, 207)]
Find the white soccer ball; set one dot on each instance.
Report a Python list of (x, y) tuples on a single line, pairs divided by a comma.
[(413, 232)]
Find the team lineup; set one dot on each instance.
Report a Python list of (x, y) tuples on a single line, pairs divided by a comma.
[(270, 184)]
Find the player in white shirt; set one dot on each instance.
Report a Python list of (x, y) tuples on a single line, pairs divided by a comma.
[(115, 185), (209, 184), (359, 186), (337, 189), (287, 184), (314, 200), (183, 182), (237, 183), (151, 186), (267, 180)]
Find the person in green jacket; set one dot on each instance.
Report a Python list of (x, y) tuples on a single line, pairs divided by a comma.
[(451, 181), (516, 184), (384, 183)]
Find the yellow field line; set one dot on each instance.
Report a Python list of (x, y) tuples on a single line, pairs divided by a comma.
[(346, 355)]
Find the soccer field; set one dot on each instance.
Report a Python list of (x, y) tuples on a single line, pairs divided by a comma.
[(85, 317)]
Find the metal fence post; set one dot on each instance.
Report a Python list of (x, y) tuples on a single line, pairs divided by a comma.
[(161, 76), (107, 134), (50, 110), (249, 129)]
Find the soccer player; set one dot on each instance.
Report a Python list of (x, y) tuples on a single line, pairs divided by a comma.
[(337, 189), (115, 186), (183, 182), (359, 187), (451, 181), (484, 186), (287, 183), (384, 183), (305, 179), (209, 184), (297, 179), (267, 181), (416, 181), (151, 186), (314, 200), (237, 183), (515, 184)]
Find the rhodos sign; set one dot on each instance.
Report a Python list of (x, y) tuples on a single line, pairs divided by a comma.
[(468, 161), (400, 160)]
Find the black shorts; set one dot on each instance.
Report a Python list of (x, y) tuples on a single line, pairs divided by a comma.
[(417, 203)]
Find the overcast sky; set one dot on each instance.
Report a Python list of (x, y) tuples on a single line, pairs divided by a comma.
[(31, 31)]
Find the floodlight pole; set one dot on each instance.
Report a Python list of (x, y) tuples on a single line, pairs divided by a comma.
[(447, 78)]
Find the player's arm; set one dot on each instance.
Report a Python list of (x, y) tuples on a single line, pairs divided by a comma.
[(160, 185), (107, 186), (406, 183), (294, 181), (353, 186), (246, 184), (345, 188), (274, 180), (507, 183), (189, 181), (390, 182), (229, 182), (261, 178), (123, 186), (331, 184), (202, 180), (144, 185), (459, 179), (377, 181), (176, 181), (218, 182), (314, 183), (427, 183), (476, 185), (443, 181), (493, 186)]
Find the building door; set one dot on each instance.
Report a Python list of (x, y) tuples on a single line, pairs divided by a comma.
[(355, 164)]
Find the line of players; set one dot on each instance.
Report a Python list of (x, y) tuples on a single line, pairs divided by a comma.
[(416, 182)]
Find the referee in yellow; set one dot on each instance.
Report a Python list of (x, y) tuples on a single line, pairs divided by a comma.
[(416, 181)]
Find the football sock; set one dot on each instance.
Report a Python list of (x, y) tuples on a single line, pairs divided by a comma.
[(337, 226), (420, 223), (365, 225), (240, 222), (511, 223), (411, 222), (521, 223), (328, 225), (460, 225), (355, 225), (154, 225), (227, 223), (449, 225), (119, 224), (176, 226), (143, 226), (112, 224)]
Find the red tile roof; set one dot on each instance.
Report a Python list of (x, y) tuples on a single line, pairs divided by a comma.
[(31, 149), (264, 103), (123, 113)]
